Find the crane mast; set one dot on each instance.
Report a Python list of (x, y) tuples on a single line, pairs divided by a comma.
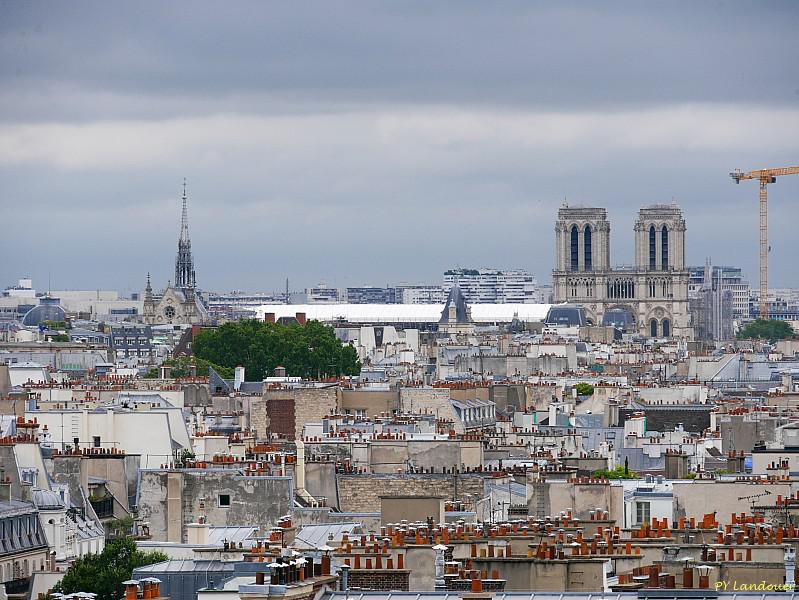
[(765, 176)]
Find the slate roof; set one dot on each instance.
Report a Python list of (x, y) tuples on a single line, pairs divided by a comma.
[(461, 310), (184, 565), (316, 536), (235, 534)]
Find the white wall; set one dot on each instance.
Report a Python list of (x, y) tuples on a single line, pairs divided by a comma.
[(681, 394), (145, 432), (29, 456), (205, 447)]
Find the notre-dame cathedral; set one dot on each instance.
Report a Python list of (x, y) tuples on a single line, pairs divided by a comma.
[(654, 291), (179, 304)]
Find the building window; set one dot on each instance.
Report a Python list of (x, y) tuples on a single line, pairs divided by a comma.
[(653, 328), (664, 246), (224, 500), (652, 249), (575, 249), (641, 513), (587, 247), (96, 441), (30, 475), (666, 328)]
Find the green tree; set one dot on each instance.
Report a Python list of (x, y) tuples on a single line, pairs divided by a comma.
[(119, 528), (619, 472), (184, 456), (310, 350), (770, 330), (181, 367), (104, 573), (584, 389)]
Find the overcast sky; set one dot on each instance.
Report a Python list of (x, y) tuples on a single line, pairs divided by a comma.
[(382, 142)]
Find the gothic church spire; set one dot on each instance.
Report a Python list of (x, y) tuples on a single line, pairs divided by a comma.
[(184, 262)]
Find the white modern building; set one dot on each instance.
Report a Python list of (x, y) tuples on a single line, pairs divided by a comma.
[(420, 294), (321, 294), (23, 289), (481, 286), (727, 279), (403, 314)]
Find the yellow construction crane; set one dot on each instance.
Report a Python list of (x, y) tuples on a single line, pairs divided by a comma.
[(765, 176)]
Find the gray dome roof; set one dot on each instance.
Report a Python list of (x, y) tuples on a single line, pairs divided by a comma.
[(48, 310), (47, 500)]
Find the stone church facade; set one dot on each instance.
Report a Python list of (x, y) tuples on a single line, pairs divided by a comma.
[(180, 304), (654, 290)]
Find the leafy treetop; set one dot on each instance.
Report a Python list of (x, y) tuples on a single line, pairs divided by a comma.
[(181, 367), (620, 472), (770, 330), (310, 350), (104, 573)]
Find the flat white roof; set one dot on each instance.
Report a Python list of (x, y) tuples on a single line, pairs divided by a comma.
[(403, 313)]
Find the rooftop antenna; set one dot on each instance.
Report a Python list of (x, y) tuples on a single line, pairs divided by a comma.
[(753, 499)]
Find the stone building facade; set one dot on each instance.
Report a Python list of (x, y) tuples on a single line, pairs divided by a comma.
[(654, 290), (361, 493), (171, 499), (284, 411)]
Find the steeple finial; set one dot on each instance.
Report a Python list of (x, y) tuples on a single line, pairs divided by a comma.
[(184, 219)]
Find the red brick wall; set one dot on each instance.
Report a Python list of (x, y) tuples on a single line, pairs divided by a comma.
[(384, 580), (280, 412)]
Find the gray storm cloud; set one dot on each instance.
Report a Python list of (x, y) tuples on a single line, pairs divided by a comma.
[(382, 142)]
